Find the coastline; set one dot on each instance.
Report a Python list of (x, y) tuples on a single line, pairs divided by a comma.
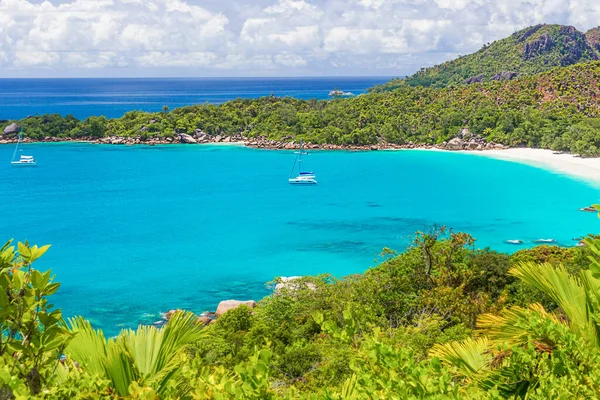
[(261, 142), (587, 169)]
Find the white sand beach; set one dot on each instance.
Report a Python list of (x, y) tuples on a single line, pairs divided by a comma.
[(587, 169)]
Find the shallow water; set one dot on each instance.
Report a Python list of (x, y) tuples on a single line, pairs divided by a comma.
[(139, 230)]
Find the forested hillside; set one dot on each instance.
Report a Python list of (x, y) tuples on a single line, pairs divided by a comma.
[(527, 52), (593, 38)]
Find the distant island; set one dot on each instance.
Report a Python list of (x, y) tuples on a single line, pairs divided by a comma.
[(340, 93)]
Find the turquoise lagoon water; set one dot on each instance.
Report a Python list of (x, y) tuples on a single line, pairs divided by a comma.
[(140, 230)]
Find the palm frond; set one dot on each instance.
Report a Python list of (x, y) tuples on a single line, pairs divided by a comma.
[(181, 330), (148, 355), (88, 347), (145, 344), (511, 325), (591, 284), (155, 351), (470, 356), (120, 367), (567, 291)]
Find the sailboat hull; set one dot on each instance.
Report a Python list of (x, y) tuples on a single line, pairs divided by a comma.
[(23, 164), (302, 181)]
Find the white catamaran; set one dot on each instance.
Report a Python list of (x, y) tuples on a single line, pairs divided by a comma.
[(304, 178), (23, 161)]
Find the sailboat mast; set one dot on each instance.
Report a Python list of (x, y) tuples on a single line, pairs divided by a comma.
[(18, 143), (295, 161), (300, 159)]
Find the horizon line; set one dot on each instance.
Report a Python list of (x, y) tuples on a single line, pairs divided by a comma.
[(207, 77)]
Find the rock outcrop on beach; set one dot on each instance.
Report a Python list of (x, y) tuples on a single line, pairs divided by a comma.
[(169, 314), (185, 138), (204, 320), (11, 129), (227, 305), (455, 144), (463, 141)]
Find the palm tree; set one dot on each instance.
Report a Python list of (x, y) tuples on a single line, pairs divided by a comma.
[(578, 300), (149, 356)]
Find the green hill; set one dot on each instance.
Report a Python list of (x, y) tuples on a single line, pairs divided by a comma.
[(527, 52), (593, 38)]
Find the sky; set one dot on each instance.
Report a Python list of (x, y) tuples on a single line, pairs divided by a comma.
[(205, 38)]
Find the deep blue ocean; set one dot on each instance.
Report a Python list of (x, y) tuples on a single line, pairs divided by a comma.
[(112, 97), (140, 230)]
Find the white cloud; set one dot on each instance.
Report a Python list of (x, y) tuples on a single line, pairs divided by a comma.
[(375, 4), (167, 59), (453, 5), (298, 36), (253, 28), (584, 13), (266, 33), (94, 60), (290, 60), (354, 40), (35, 58), (319, 36), (294, 7)]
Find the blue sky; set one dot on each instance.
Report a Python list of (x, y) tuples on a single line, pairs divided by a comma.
[(260, 37)]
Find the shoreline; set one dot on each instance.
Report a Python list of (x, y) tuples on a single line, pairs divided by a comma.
[(262, 143), (586, 169)]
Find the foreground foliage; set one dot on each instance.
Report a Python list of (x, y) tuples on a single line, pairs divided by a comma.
[(147, 357), (441, 320)]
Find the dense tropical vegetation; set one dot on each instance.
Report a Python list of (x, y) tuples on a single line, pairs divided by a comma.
[(441, 320)]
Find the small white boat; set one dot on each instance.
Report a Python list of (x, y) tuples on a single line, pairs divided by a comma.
[(303, 178), (545, 241), (514, 241), (23, 161)]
